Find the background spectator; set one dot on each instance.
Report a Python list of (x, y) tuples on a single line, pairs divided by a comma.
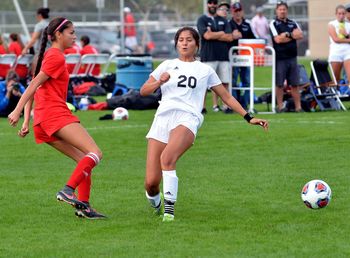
[(285, 33), (129, 30), (339, 48), (88, 49), (75, 49), (261, 25), (15, 47), (215, 32), (42, 16), (245, 31), (3, 50), (223, 9), (10, 93)]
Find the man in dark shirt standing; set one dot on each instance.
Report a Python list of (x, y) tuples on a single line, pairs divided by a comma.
[(242, 29), (215, 33), (285, 33)]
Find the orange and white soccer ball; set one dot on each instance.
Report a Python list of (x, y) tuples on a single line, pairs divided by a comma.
[(120, 113)]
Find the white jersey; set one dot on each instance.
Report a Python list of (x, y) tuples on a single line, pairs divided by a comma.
[(186, 87), (338, 48)]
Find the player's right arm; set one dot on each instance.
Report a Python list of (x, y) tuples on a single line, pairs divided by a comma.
[(27, 95), (151, 85), (34, 38), (333, 34)]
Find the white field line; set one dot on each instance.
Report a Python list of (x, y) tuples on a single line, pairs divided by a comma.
[(93, 128)]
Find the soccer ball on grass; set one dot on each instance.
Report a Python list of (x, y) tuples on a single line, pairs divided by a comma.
[(120, 113), (316, 194)]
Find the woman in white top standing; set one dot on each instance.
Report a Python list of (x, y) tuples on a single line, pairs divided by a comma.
[(339, 49), (183, 83)]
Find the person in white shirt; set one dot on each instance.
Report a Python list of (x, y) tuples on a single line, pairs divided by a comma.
[(339, 48), (183, 83), (261, 25)]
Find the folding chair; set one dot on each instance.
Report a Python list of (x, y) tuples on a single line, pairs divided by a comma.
[(7, 62), (74, 60), (91, 60), (8, 59), (25, 60), (324, 86)]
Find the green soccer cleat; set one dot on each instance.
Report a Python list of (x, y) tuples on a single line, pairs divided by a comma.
[(168, 217)]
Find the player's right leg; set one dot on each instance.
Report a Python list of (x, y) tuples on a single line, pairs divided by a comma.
[(154, 174)]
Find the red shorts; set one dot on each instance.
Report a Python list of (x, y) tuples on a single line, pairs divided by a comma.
[(44, 131)]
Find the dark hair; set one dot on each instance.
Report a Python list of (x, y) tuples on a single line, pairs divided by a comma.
[(57, 24), (16, 38), (85, 39), (193, 32), (44, 12), (12, 75), (279, 3)]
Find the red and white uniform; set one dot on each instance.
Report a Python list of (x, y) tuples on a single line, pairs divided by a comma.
[(88, 49), (15, 48), (51, 112), (3, 68), (75, 49)]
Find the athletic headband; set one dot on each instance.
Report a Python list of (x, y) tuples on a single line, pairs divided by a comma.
[(59, 26)]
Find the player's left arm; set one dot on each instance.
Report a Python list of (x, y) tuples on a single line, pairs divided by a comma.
[(230, 101), (297, 33), (25, 125)]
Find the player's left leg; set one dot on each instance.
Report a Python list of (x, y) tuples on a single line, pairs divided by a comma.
[(80, 147), (181, 139)]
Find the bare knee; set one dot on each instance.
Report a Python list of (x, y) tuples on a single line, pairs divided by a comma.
[(167, 161), (152, 188), (97, 152)]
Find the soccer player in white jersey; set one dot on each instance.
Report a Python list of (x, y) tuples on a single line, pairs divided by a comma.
[(183, 83)]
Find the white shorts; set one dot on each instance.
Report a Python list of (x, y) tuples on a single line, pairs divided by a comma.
[(130, 42), (339, 57), (164, 123), (222, 68)]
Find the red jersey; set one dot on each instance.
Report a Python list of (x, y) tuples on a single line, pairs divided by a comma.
[(75, 49), (129, 29), (15, 48), (3, 68), (88, 49), (50, 98)]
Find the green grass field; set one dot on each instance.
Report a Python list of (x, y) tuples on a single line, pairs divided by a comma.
[(239, 191)]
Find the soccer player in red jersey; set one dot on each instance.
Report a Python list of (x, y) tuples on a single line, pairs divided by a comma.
[(3, 50), (87, 48), (75, 49), (15, 47), (53, 123)]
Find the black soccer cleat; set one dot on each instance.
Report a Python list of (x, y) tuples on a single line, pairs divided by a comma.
[(89, 213), (70, 199)]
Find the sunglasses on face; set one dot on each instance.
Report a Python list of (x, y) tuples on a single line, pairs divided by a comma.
[(223, 9), (212, 2)]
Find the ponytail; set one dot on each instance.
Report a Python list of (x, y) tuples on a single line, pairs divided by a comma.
[(44, 40)]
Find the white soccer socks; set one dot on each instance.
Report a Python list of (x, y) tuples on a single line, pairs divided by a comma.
[(170, 186), (154, 200)]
